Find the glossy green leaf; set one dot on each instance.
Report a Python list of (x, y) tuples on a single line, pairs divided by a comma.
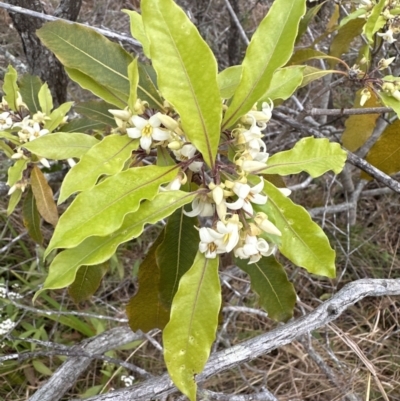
[(114, 198), (107, 157), (57, 116), (97, 249), (31, 218), (10, 137), (89, 52), (137, 30), (308, 17), (29, 87), (390, 101), (147, 88), (375, 21), (15, 172), (303, 241), (14, 200), (45, 99), (263, 57), (133, 75), (44, 196), (284, 82), (315, 156), (311, 74), (187, 73), (144, 310), (101, 91), (228, 80), (269, 281), (96, 111), (191, 330), (354, 15), (302, 55), (385, 153), (176, 253), (87, 281), (10, 88), (83, 124), (61, 145)]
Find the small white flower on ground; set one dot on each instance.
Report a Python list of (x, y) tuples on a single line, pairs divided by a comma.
[(128, 380), (147, 131), (6, 326)]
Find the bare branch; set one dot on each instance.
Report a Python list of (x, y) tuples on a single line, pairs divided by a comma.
[(260, 345), (349, 112)]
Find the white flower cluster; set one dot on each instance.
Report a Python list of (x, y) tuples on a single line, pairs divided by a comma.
[(10, 294), (128, 380), (6, 326)]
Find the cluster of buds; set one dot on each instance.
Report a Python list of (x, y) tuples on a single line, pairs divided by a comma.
[(392, 88), (229, 199)]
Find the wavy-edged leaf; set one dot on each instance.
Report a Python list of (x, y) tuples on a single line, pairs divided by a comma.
[(44, 196), (144, 310), (87, 281), (133, 75), (31, 217), (284, 82), (375, 21), (10, 88), (15, 172), (45, 99), (176, 253), (101, 91), (29, 87), (385, 153), (360, 127), (189, 334), (228, 80), (97, 249), (137, 30), (97, 111), (316, 156), (114, 198), (61, 145), (107, 157), (269, 281), (83, 49), (303, 241), (263, 57), (187, 73)]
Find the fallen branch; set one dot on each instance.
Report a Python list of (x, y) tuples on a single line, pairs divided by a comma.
[(349, 112)]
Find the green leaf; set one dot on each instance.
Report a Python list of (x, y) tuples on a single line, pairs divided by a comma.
[(228, 80), (87, 281), (45, 99), (311, 74), (31, 218), (44, 196), (191, 330), (29, 87), (96, 111), (305, 21), (375, 21), (86, 82), (41, 368), (14, 200), (144, 310), (284, 82), (107, 157), (302, 55), (303, 241), (12, 138), (95, 250), (82, 125), (83, 49), (187, 73), (164, 158), (61, 146), (147, 87), (390, 101), (263, 57), (115, 197), (15, 172), (360, 127), (176, 253), (137, 30), (6, 149), (57, 116), (354, 15), (10, 88), (315, 156), (385, 153), (269, 281), (133, 74)]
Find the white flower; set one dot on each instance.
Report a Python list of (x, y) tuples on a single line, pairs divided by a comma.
[(147, 131), (230, 232), (128, 380), (387, 36), (208, 244), (6, 326), (261, 220), (247, 196), (5, 121), (201, 206), (253, 248), (37, 132), (267, 109)]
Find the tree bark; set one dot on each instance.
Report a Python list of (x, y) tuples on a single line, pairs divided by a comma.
[(41, 61)]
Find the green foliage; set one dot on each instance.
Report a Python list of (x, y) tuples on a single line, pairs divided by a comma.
[(29, 87), (10, 88)]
